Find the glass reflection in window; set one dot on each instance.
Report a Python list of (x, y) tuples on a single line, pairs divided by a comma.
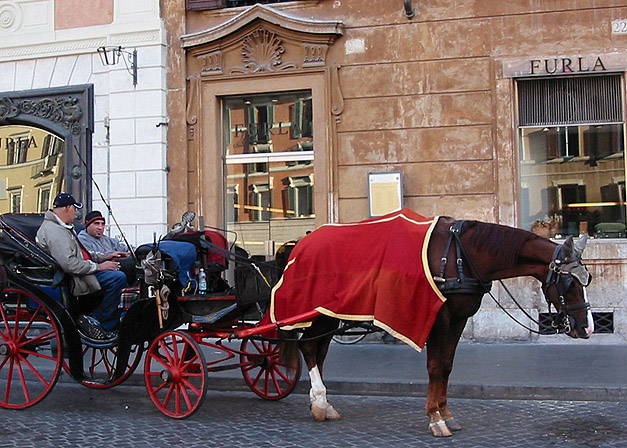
[(31, 168), (573, 180)]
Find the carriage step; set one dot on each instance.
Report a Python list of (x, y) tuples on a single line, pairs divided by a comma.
[(214, 317)]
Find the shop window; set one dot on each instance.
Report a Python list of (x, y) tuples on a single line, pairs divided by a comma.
[(268, 157), (260, 202), (301, 113), (45, 194), (233, 204), (299, 196), (572, 153), (17, 145), (16, 201)]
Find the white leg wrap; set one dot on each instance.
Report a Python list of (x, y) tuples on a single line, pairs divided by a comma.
[(590, 328), (318, 392)]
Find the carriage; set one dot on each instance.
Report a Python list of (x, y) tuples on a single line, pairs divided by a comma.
[(390, 281), (179, 331)]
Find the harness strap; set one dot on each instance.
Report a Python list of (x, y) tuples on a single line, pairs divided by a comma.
[(460, 285), (554, 266), (454, 232)]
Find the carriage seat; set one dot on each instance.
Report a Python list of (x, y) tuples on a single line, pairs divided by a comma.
[(211, 246)]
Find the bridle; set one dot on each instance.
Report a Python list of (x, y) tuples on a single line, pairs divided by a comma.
[(561, 275)]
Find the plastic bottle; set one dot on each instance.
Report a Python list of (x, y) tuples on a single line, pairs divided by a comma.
[(202, 281)]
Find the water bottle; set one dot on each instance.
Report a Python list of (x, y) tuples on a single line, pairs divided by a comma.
[(202, 281)]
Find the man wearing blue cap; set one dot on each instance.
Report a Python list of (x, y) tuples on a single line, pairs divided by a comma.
[(90, 273)]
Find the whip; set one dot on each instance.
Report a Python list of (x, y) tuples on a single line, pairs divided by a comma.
[(102, 198)]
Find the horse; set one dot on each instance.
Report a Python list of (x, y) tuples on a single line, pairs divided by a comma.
[(488, 252)]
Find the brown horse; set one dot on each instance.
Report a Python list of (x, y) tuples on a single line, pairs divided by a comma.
[(489, 252)]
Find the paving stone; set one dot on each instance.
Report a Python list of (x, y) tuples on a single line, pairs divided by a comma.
[(75, 416)]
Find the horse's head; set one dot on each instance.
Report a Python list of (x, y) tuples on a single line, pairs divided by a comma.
[(565, 288)]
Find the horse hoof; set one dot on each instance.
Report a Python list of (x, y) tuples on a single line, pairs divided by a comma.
[(452, 424), (332, 414), (318, 413), (439, 429)]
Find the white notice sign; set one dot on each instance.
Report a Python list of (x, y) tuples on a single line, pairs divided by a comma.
[(385, 192)]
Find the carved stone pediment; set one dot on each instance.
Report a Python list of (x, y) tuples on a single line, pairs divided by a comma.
[(261, 39)]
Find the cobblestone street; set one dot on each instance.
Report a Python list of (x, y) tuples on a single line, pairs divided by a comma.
[(74, 416)]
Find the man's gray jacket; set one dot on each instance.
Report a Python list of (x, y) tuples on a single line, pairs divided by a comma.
[(105, 244), (60, 241)]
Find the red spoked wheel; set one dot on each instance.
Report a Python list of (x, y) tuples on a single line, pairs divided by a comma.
[(176, 374), (99, 365), (31, 352), (263, 371)]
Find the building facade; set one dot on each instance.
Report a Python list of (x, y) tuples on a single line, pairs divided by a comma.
[(509, 112), (66, 118)]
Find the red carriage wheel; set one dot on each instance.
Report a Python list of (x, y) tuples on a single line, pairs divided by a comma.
[(176, 374), (99, 365), (31, 352), (263, 371)]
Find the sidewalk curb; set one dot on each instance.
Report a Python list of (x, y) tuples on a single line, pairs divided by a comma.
[(465, 391)]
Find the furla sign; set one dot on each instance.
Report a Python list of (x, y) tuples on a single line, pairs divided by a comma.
[(563, 65)]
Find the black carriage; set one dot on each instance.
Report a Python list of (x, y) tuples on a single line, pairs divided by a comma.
[(168, 322)]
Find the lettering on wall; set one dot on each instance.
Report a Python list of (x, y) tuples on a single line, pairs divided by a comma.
[(564, 65)]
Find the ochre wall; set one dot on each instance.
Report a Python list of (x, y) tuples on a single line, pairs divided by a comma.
[(426, 95)]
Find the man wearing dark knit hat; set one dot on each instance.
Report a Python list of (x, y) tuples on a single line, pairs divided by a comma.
[(95, 241), (90, 273)]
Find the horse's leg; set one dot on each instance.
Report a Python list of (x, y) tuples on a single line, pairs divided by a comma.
[(314, 351), (440, 351), (455, 334)]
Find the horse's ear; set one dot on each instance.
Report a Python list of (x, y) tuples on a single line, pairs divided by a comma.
[(568, 246), (581, 244)]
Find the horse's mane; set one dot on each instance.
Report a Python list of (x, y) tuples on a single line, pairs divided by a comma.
[(502, 242)]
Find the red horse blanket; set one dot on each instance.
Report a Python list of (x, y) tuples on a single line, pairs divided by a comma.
[(371, 270)]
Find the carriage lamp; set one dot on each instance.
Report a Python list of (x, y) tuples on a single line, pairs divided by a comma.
[(112, 55)]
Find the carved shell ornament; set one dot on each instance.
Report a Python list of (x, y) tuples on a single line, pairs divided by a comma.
[(262, 51)]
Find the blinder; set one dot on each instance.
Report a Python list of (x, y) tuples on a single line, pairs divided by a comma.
[(562, 272), (561, 275)]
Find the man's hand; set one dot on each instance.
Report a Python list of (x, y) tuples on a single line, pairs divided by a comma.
[(117, 255), (109, 266)]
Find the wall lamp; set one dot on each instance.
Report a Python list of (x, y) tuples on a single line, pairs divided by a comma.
[(112, 55)]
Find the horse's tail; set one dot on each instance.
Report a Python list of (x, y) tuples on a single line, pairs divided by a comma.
[(288, 349)]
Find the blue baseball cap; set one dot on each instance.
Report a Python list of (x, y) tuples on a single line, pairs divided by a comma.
[(65, 199)]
